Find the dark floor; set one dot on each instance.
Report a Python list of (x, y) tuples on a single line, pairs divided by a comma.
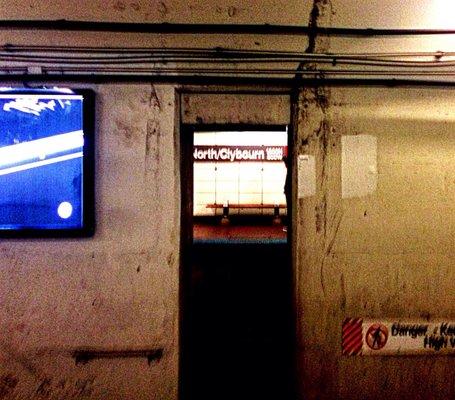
[(238, 340)]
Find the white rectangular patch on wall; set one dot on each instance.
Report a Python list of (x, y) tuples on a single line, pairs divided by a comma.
[(359, 176), (377, 337), (306, 176)]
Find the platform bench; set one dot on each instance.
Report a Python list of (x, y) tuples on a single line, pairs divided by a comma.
[(226, 207)]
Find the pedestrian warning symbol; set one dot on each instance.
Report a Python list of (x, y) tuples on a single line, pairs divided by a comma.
[(376, 337), (397, 337)]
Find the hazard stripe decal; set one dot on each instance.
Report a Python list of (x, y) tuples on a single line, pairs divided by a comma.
[(351, 339)]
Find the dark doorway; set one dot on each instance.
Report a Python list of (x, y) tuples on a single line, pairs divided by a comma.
[(237, 322)]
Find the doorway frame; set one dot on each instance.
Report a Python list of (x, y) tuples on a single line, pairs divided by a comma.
[(186, 136)]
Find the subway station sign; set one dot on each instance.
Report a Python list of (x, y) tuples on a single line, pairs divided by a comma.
[(238, 153), (376, 337)]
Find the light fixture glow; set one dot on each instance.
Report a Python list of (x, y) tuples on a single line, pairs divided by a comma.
[(441, 13)]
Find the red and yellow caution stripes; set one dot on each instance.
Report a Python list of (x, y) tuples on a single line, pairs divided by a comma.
[(352, 339)]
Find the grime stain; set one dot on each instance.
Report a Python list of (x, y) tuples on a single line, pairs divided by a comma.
[(154, 101), (135, 6), (163, 9), (50, 388), (312, 25), (152, 131), (186, 105), (152, 154), (21, 359), (120, 6), (8, 383), (321, 96), (170, 259), (124, 130), (232, 11), (318, 12), (316, 101), (44, 388)]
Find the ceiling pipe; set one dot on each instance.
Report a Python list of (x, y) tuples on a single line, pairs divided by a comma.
[(175, 28)]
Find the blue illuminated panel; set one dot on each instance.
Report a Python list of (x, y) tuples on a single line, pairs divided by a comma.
[(45, 149)]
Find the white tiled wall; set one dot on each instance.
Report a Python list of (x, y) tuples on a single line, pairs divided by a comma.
[(239, 182)]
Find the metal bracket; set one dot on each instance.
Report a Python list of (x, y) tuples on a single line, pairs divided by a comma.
[(83, 356)]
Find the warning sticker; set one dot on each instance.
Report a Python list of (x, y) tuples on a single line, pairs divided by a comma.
[(370, 337), (376, 336)]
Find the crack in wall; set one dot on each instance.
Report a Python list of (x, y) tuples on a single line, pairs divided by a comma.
[(328, 246), (153, 135), (154, 100), (343, 299)]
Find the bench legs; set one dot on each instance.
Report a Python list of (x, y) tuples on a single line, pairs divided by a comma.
[(276, 215), (225, 217)]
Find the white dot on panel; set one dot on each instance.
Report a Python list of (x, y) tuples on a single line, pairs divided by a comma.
[(65, 210)]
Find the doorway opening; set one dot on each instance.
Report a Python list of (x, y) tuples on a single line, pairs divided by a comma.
[(237, 326), (238, 184)]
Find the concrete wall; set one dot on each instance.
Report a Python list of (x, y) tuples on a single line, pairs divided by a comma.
[(115, 291), (376, 239)]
